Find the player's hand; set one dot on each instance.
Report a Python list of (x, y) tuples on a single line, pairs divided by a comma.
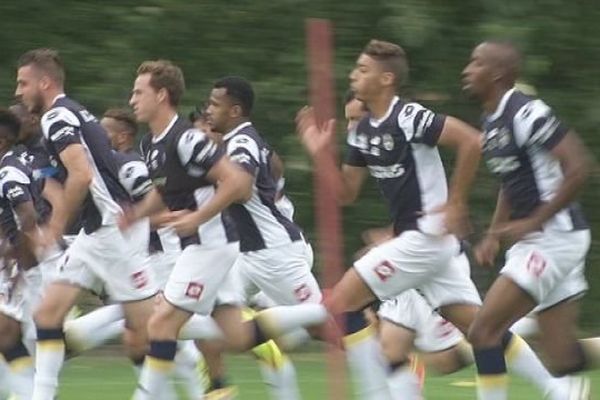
[(456, 219), (514, 231), (185, 222), (485, 252), (315, 138)]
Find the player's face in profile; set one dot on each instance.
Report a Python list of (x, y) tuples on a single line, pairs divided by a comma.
[(111, 128), (477, 77), (366, 77), (354, 111), (30, 124), (28, 91), (144, 99), (218, 110)]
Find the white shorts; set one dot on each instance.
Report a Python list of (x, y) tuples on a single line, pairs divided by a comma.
[(283, 273), (549, 265), (432, 332), (414, 260), (107, 258), (201, 278), (24, 297), (162, 263)]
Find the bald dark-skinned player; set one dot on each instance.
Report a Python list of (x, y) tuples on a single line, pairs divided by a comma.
[(541, 165)]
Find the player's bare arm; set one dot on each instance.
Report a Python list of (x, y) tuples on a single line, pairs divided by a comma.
[(487, 249), (232, 186), (349, 180), (151, 205), (54, 193), (76, 187), (465, 141)]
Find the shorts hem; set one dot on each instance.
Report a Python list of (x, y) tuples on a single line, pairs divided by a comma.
[(135, 300), (398, 324), (567, 299)]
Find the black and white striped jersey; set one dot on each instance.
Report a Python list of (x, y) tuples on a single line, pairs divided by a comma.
[(517, 142), (133, 174), (67, 123), (178, 161), (260, 223), (401, 154)]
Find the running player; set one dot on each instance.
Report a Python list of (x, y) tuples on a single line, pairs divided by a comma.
[(541, 165), (185, 164), (397, 144), (100, 253)]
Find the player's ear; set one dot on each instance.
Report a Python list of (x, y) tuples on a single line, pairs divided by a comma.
[(235, 111), (387, 78), (44, 82), (162, 95)]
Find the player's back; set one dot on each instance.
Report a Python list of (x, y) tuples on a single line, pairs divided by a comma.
[(260, 223), (67, 123)]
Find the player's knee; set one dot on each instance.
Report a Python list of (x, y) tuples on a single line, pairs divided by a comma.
[(482, 335), (47, 316), (392, 351)]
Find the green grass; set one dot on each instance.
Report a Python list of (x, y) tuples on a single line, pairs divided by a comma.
[(108, 378)]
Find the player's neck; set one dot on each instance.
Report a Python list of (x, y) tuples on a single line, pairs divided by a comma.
[(235, 123), (50, 97), (490, 104), (161, 121), (126, 148), (380, 105)]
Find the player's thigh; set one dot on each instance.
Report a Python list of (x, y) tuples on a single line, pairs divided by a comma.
[(239, 334), (283, 274), (57, 300), (198, 276), (558, 329), (407, 261), (166, 321), (121, 265), (397, 341), (504, 304), (10, 331)]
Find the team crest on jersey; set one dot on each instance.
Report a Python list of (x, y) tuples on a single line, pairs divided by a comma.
[(139, 279), (388, 142), (194, 290), (384, 271)]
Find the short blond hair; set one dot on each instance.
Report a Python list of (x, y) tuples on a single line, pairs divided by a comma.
[(46, 60), (165, 75), (391, 56)]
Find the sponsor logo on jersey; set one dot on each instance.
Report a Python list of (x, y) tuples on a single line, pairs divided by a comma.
[(194, 290), (503, 165), (497, 138), (62, 132), (15, 192), (387, 171)]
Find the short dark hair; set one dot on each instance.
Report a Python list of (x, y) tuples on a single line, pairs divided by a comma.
[(198, 113), (240, 90), (165, 75), (47, 60), (9, 120), (391, 56), (124, 117)]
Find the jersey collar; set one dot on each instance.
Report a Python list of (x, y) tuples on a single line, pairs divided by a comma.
[(60, 96), (376, 122), (501, 106), (160, 137), (237, 129)]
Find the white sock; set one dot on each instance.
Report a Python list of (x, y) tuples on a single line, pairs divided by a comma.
[(186, 371), (84, 333), (284, 319), (167, 391), (524, 362), (293, 339), (525, 327), (49, 358), (4, 381), (21, 378), (403, 384), (200, 327), (281, 380), (367, 364)]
